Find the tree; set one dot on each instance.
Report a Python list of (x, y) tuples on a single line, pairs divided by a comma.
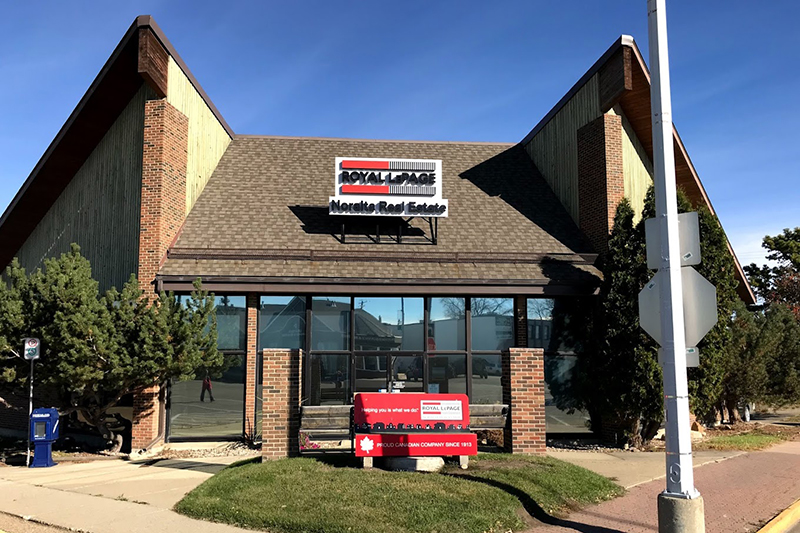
[(619, 380), (781, 283), (97, 349), (455, 307)]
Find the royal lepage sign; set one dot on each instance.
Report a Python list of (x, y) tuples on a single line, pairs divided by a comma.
[(410, 424), (388, 187)]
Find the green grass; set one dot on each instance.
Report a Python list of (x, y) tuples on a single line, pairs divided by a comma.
[(307, 495), (748, 442)]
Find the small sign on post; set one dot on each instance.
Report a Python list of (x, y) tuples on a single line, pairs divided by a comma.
[(31, 349)]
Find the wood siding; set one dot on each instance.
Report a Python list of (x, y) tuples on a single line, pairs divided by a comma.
[(207, 138), (637, 167), (99, 209), (554, 149)]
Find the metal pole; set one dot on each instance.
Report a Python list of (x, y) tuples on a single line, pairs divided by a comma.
[(680, 478), (30, 413)]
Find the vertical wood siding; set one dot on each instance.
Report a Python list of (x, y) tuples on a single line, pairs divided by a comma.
[(207, 138), (554, 150), (636, 166), (99, 209)]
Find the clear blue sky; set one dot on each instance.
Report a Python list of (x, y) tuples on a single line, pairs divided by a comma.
[(445, 70)]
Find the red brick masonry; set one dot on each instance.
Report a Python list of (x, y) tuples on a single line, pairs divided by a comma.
[(523, 391), (166, 133), (601, 182), (280, 417)]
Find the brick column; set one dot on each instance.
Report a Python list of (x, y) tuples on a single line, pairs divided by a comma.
[(601, 182), (523, 391), (251, 364), (163, 211), (280, 416)]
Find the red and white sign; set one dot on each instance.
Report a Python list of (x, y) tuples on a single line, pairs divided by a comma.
[(388, 187), (416, 444), (410, 412)]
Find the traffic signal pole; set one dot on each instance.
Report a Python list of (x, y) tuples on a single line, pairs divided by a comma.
[(680, 507)]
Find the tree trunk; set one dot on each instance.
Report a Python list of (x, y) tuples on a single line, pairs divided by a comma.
[(733, 412), (114, 440)]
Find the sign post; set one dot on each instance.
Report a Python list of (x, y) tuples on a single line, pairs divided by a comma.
[(30, 351), (680, 507)]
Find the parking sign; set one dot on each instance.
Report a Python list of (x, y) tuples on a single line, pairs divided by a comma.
[(31, 350)]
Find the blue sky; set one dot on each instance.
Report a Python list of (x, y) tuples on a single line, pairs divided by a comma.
[(446, 70)]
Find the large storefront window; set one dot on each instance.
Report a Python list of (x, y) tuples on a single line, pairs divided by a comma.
[(212, 404), (492, 324), (447, 328), (447, 374), (330, 379), (549, 328), (282, 322), (389, 324), (330, 323)]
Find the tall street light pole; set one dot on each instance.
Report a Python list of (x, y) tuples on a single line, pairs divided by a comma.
[(680, 507)]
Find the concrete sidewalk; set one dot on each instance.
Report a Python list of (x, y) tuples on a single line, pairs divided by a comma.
[(630, 469), (740, 494), (110, 496)]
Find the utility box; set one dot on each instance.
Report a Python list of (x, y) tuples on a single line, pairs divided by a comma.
[(44, 432)]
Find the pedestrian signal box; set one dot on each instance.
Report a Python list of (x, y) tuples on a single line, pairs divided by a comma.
[(44, 432)]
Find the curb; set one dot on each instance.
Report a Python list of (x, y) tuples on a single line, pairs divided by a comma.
[(786, 519)]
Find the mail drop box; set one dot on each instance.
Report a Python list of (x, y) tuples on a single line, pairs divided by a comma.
[(44, 424)]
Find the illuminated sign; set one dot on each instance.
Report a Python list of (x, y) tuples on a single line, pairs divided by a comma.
[(388, 187)]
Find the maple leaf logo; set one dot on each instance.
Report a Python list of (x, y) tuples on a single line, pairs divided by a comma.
[(367, 445)]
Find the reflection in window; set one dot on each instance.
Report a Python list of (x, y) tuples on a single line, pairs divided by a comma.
[(407, 373), (330, 323), (370, 373), (231, 322), (559, 396), (330, 379), (282, 322), (486, 384), (389, 324), (212, 404), (447, 324), (447, 374), (548, 325), (492, 324)]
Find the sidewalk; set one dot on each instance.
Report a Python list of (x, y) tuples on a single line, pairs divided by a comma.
[(740, 494), (110, 496)]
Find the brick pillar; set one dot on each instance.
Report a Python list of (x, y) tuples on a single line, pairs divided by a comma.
[(251, 364), (601, 182), (163, 211), (523, 392), (280, 416)]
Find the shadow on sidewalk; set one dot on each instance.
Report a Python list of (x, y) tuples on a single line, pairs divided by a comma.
[(535, 511), (184, 464)]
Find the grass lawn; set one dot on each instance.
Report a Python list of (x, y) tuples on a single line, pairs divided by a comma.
[(309, 495), (747, 442)]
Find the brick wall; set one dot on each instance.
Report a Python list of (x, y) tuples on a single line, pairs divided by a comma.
[(523, 391), (281, 405), (251, 364), (162, 214), (601, 183)]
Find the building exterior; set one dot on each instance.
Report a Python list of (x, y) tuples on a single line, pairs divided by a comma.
[(316, 301)]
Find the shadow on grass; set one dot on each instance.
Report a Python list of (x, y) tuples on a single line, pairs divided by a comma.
[(336, 460), (533, 508)]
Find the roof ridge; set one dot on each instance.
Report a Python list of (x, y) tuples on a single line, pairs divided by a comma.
[(345, 139)]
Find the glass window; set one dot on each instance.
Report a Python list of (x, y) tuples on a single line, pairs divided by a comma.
[(559, 396), (370, 373), (330, 379), (447, 324), (231, 322), (282, 322), (486, 373), (389, 324), (211, 404), (447, 374), (330, 323), (549, 324), (407, 373), (492, 324)]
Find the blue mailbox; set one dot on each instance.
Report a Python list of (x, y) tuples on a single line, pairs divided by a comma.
[(44, 431)]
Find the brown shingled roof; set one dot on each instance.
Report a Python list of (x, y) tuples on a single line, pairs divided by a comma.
[(264, 215)]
